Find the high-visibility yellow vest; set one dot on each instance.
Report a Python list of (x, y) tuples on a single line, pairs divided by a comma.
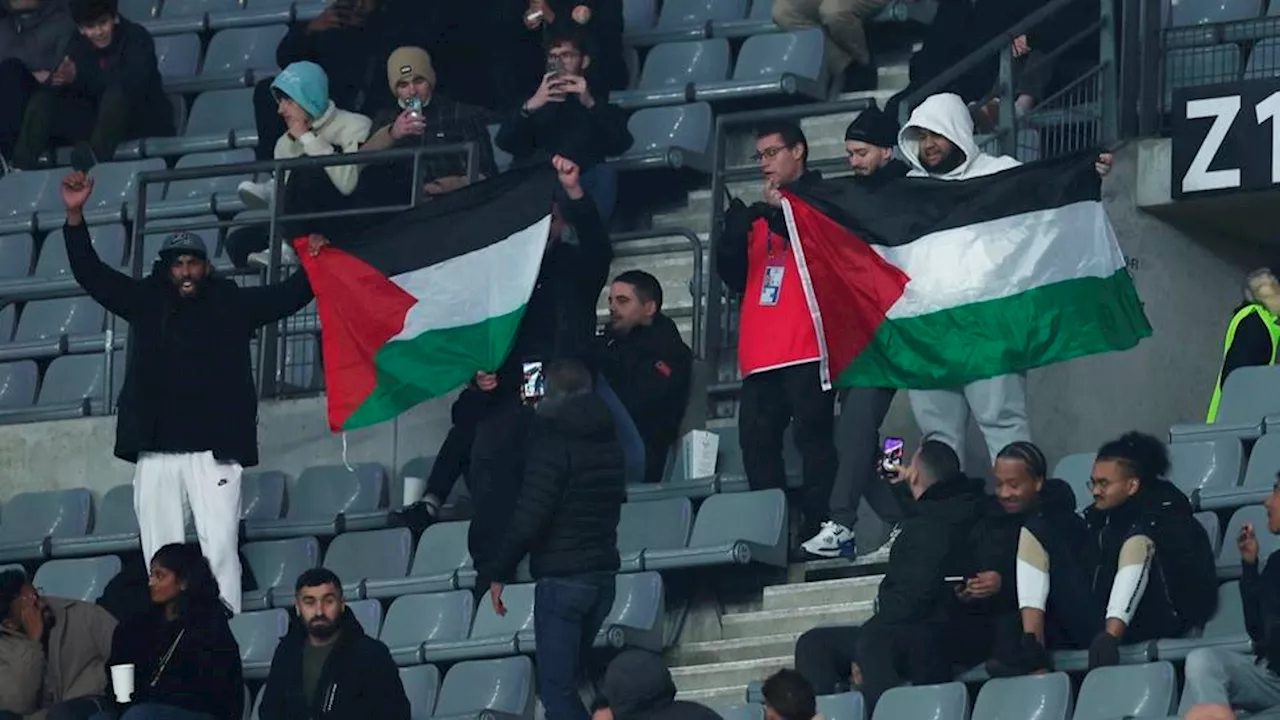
[(1273, 327)]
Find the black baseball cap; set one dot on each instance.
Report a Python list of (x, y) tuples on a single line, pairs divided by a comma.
[(184, 243)]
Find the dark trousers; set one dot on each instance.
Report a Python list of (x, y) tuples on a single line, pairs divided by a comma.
[(567, 614), (58, 115), (862, 411), (888, 655), (16, 87), (769, 402), (453, 459), (267, 119), (496, 472)]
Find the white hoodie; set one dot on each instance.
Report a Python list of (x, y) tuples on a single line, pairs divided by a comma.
[(336, 131), (946, 115)]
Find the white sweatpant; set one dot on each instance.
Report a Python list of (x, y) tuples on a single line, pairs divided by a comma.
[(998, 404), (166, 485)]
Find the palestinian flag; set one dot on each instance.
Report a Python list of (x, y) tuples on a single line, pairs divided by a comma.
[(928, 283), (413, 307)]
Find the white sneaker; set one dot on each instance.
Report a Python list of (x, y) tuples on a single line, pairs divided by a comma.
[(882, 553), (262, 257), (255, 195), (833, 540)]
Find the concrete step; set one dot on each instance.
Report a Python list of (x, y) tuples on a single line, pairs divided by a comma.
[(716, 697), (718, 651), (727, 674), (836, 568), (797, 620), (825, 592)]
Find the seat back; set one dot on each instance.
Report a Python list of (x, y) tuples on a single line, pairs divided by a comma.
[(262, 495), (422, 685), (15, 255), (187, 8), (369, 614), (240, 49), (217, 111), (115, 183), (1213, 464), (655, 525), (677, 64), (1129, 691), (23, 193), (1228, 619), (744, 712), (204, 187), (441, 550), (845, 706), (949, 701), (376, 554), (1033, 697), (178, 56), (52, 513), (18, 382), (1229, 554), (43, 319), (758, 516), (1076, 470), (682, 13), (504, 685), (8, 318), (638, 15), (81, 579), (1202, 12), (1209, 521), (108, 241), (137, 10), (489, 624), (767, 56), (278, 563), (324, 491), (682, 126), (438, 617), (1263, 461), (72, 378), (116, 516), (258, 633)]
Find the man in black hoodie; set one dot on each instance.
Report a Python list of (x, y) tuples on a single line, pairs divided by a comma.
[(566, 519), (1145, 572), (327, 668), (645, 361), (188, 411), (107, 90), (914, 603), (1221, 676)]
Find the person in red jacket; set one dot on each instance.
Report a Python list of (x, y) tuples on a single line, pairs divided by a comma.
[(777, 346)]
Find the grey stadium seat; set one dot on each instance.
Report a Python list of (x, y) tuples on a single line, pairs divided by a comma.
[(415, 621), (1212, 528), (115, 528), (137, 10), (15, 255), (1076, 471), (757, 22), (218, 119), (24, 194), (18, 384), (1034, 697), (652, 525), (1128, 691), (257, 634), (276, 565), (178, 55), (440, 564), (1264, 60), (236, 57), (1259, 477), (8, 318), (262, 495), (204, 195), (638, 15), (688, 20), (1200, 12), (368, 613), (78, 381), (30, 519), (1249, 395), (491, 635), (751, 711), (671, 67), (949, 701), (731, 474), (1229, 554), (1191, 67), (503, 686), (734, 528), (787, 63), (44, 319), (501, 157), (114, 187), (1207, 466), (675, 136), (323, 497), (108, 241), (374, 554), (635, 620), (81, 579), (422, 685), (1224, 630), (845, 706)]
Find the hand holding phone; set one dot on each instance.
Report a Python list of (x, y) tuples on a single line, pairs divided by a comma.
[(534, 384), (891, 454)]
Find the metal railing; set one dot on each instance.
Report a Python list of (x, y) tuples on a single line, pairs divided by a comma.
[(697, 283)]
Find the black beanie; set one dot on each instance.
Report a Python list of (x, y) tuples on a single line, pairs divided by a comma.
[(874, 127)]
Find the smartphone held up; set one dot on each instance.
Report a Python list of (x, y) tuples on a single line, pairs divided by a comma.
[(891, 455)]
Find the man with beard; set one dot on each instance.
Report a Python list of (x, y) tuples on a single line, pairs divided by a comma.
[(327, 667), (53, 653), (188, 411)]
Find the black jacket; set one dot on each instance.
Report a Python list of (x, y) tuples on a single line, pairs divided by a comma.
[(931, 546), (567, 128), (894, 170), (731, 251), (203, 674), (649, 368), (1260, 598), (1184, 556), (1250, 347), (566, 517), (200, 345), (359, 679), (130, 63)]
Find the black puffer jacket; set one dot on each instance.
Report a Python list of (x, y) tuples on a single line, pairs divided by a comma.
[(199, 344), (359, 679), (567, 515)]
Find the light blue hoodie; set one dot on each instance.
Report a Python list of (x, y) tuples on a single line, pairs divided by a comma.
[(306, 84)]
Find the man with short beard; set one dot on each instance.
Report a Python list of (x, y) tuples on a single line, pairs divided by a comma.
[(327, 668), (188, 411)]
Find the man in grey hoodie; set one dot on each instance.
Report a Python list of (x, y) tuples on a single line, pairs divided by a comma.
[(33, 43)]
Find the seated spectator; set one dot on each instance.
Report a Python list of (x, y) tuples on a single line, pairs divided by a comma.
[(844, 25), (53, 653), (316, 128), (788, 696), (566, 519), (1145, 572), (871, 142), (638, 686), (186, 661), (902, 641), (105, 91), (422, 118), (1225, 677), (644, 360), (1252, 333), (601, 25), (565, 117), (327, 667), (33, 44)]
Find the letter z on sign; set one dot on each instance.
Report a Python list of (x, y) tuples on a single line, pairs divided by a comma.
[(1225, 137)]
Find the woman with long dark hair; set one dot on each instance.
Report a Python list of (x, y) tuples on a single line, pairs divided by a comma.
[(186, 661)]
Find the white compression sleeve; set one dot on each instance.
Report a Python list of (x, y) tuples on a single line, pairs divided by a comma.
[(1131, 578)]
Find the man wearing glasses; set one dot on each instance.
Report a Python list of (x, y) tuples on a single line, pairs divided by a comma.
[(777, 347), (53, 653)]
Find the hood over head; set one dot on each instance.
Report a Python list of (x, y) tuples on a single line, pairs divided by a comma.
[(637, 682), (306, 84), (946, 115)]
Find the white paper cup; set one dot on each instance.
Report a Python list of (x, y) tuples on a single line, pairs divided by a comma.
[(122, 682), (414, 489)]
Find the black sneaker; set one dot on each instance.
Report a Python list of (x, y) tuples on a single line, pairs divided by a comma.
[(1027, 658)]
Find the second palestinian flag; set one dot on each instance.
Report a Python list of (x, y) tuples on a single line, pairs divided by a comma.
[(413, 307)]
